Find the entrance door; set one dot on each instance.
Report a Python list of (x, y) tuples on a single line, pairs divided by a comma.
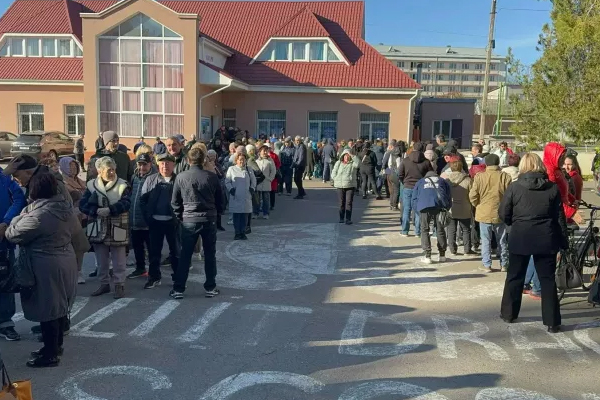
[(206, 128), (457, 131)]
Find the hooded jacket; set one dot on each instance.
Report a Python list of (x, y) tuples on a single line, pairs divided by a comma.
[(460, 184), (344, 175), (431, 193), (413, 168), (329, 154), (486, 193), (287, 156), (532, 208), (552, 154)]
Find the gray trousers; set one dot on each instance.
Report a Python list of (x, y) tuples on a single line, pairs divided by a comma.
[(118, 255)]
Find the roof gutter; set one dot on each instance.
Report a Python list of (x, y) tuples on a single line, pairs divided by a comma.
[(210, 94)]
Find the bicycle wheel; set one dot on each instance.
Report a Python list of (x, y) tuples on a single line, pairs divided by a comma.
[(589, 263)]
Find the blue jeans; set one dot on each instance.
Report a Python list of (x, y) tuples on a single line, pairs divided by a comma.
[(532, 277), (406, 209), (7, 301), (264, 198), (486, 243), (239, 222)]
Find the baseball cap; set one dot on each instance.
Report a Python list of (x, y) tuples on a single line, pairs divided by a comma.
[(20, 163), (143, 158), (165, 157), (181, 138)]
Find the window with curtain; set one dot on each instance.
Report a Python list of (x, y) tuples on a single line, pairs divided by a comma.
[(281, 51), (74, 120), (31, 117), (317, 50), (64, 47), (16, 47), (270, 122), (299, 50), (141, 79), (49, 47), (33, 47)]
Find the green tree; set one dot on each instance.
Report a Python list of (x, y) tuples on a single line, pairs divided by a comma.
[(561, 90)]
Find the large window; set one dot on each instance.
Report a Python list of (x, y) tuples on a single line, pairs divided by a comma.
[(300, 50), (74, 120), (374, 126), (40, 47), (270, 122), (322, 125), (229, 118), (141, 79), (442, 127), (31, 117)]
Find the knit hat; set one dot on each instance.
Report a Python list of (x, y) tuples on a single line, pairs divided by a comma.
[(492, 159), (250, 148), (109, 136)]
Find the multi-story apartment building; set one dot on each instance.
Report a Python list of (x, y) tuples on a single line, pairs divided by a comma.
[(445, 70)]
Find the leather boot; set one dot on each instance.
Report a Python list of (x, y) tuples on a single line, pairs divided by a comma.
[(341, 216), (101, 290), (119, 291), (348, 217)]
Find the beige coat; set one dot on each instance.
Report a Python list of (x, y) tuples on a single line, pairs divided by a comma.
[(487, 192)]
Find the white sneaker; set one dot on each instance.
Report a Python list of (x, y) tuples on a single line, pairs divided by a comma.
[(426, 260), (404, 235), (199, 256), (80, 278), (441, 258), (266, 216), (229, 222), (254, 216)]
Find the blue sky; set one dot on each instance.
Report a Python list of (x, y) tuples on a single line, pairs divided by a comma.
[(451, 22)]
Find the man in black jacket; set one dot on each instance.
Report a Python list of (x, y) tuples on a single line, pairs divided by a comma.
[(329, 158), (412, 169), (368, 164), (157, 192), (176, 149), (299, 165), (197, 200)]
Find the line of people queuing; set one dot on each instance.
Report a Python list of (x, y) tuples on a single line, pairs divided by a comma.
[(516, 207)]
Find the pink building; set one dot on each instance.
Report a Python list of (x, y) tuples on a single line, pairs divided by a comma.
[(142, 67)]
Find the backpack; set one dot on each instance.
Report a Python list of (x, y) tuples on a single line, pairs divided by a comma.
[(567, 275), (594, 296)]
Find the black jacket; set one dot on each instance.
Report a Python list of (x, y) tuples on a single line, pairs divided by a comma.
[(124, 167), (379, 153), (181, 163), (329, 155), (156, 197), (197, 195), (413, 168), (368, 161), (300, 156), (532, 207)]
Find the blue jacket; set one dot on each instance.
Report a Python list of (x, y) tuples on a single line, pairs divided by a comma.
[(300, 156), (287, 156), (12, 199), (434, 196), (159, 148)]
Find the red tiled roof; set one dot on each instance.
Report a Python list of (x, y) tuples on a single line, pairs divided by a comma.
[(245, 27), (41, 69), (303, 24)]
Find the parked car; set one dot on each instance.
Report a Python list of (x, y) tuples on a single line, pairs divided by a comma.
[(42, 144), (6, 141)]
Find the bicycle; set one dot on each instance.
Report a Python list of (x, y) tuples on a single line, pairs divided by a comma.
[(583, 251)]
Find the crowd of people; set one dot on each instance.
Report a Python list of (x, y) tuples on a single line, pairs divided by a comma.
[(178, 191)]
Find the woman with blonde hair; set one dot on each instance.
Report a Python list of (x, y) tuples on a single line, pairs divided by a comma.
[(533, 204)]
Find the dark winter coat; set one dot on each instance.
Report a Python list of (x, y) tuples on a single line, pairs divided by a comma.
[(43, 232), (379, 153), (159, 148), (197, 195), (300, 156), (286, 156), (368, 161), (124, 167), (181, 163), (329, 154), (136, 215), (532, 207), (413, 168), (156, 197), (431, 193)]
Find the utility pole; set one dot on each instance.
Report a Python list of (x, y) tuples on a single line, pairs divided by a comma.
[(488, 61)]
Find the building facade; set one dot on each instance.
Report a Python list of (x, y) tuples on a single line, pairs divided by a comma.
[(155, 69), (447, 70)]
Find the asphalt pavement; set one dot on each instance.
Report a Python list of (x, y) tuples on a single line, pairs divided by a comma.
[(313, 309)]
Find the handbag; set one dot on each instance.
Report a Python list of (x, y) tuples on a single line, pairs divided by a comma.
[(443, 215), (567, 275), (17, 390)]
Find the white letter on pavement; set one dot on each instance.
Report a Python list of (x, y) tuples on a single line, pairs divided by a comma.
[(372, 390), (446, 340), (270, 310), (510, 394), (70, 389), (83, 327), (520, 341), (353, 342), (156, 318), (204, 322), (582, 334), (238, 382)]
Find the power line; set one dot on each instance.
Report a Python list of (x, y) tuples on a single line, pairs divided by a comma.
[(524, 9)]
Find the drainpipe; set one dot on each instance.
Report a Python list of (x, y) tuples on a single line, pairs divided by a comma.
[(210, 94), (410, 116)]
